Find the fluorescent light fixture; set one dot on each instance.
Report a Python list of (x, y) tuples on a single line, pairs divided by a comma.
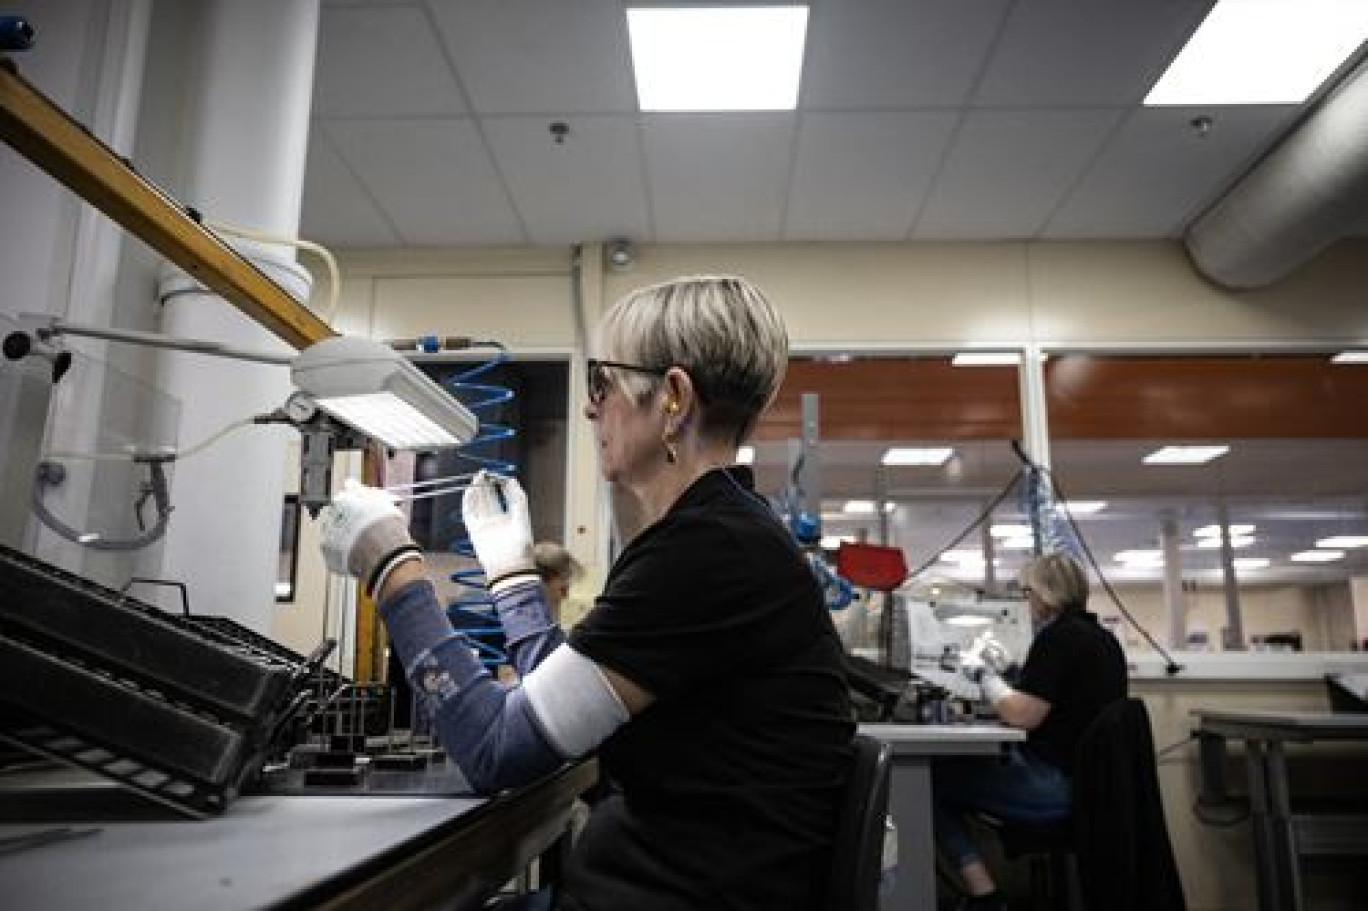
[(968, 620), (1317, 556), (745, 455), (374, 389), (1009, 530), (715, 58), (926, 455), (962, 556), (1250, 562), (1140, 557), (1235, 541), (1081, 507), (1214, 531), (1025, 542), (986, 359), (1343, 542), (859, 507), (1185, 455), (832, 542), (1262, 52), (1350, 357)]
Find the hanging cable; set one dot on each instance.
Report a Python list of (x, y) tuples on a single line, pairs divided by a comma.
[(1171, 667), (979, 520)]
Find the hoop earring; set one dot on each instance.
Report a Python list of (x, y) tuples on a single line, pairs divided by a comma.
[(671, 454)]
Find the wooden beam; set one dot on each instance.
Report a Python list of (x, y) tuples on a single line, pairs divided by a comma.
[(47, 136)]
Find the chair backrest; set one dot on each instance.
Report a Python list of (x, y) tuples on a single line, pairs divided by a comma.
[(858, 853), (1121, 839)]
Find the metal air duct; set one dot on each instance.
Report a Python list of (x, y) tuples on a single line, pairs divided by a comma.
[(1309, 192)]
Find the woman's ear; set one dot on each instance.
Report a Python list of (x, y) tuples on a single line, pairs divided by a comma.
[(679, 392)]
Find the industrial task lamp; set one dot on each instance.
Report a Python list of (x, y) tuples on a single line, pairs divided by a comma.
[(350, 391)]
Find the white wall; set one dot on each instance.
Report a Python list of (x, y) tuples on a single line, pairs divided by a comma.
[(1322, 613)]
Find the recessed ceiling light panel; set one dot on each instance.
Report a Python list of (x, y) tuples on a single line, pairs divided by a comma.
[(923, 455), (1262, 52), (1317, 556), (717, 58), (1185, 455)]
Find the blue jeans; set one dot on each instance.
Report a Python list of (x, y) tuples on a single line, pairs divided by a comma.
[(1014, 786)]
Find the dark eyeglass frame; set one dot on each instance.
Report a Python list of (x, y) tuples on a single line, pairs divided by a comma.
[(597, 381)]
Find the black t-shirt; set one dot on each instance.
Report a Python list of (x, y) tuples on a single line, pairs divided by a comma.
[(725, 790), (1078, 667)]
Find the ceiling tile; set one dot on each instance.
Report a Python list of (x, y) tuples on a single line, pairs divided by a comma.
[(868, 54), (1085, 52), (588, 187), (717, 177), (863, 175), (540, 56), (1157, 172), (1008, 170), (337, 211), (382, 62), (433, 179)]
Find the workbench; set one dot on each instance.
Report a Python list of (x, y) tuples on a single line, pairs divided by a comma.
[(909, 800), (1281, 835), (391, 853)]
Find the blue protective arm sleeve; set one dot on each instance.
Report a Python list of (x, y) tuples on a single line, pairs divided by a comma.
[(489, 730), (530, 632)]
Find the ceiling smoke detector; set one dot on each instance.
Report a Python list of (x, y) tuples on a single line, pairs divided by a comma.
[(619, 255)]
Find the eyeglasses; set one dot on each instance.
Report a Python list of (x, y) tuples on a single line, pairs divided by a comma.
[(598, 380)]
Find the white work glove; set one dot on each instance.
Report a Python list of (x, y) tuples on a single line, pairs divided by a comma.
[(363, 534), (983, 663), (500, 530), (993, 653)]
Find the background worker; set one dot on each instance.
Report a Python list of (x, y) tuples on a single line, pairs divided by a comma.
[(558, 569), (1074, 669)]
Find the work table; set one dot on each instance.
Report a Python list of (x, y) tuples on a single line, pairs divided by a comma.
[(297, 852)]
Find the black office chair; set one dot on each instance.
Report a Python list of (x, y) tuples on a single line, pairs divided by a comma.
[(1125, 858), (1113, 853), (858, 854)]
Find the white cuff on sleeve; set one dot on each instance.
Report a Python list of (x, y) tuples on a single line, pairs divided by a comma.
[(573, 702), (995, 689)]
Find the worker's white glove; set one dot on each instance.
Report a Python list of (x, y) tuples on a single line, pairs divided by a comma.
[(363, 534), (495, 512), (991, 652), (976, 664), (972, 666)]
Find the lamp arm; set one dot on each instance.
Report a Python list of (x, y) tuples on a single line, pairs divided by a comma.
[(156, 340)]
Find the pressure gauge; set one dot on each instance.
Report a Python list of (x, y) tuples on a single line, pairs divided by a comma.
[(300, 408)]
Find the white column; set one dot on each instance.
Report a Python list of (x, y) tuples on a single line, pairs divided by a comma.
[(61, 258), (1173, 581), (1234, 639), (246, 143), (1358, 593), (1035, 419)]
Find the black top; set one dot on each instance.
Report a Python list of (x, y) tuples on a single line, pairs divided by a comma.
[(727, 787), (1078, 667)]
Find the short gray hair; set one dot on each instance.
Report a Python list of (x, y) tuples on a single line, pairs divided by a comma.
[(1058, 580), (721, 330), (554, 561)]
